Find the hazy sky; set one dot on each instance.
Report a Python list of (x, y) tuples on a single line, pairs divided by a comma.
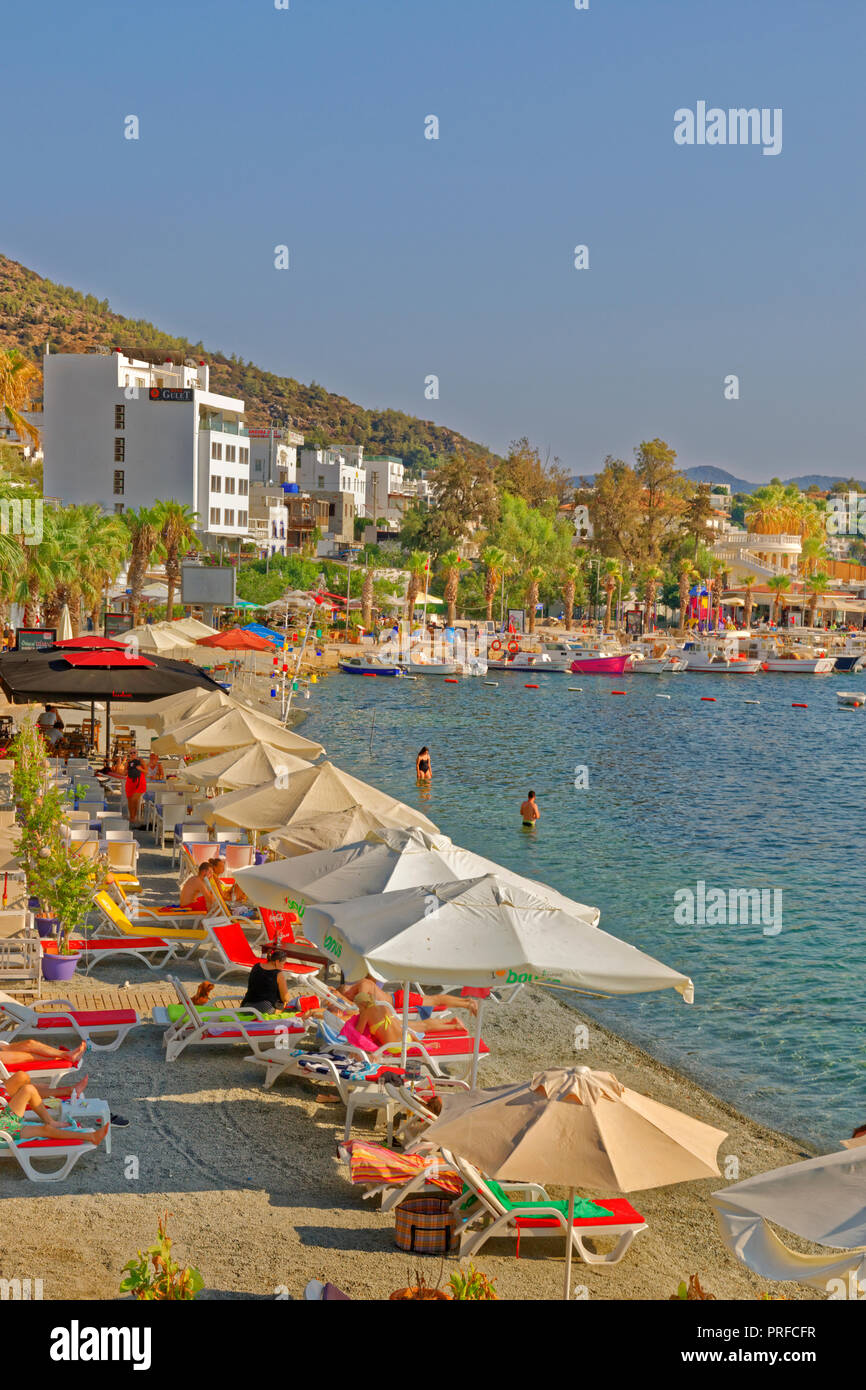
[(455, 257)]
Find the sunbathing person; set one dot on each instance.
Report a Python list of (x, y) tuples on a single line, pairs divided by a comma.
[(14, 1083), (233, 895), (429, 1002), (378, 1025), (267, 986), (24, 1050), (13, 1120), (194, 893)]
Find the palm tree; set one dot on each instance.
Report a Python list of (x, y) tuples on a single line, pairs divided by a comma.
[(778, 584), (18, 384), (39, 568), (367, 598), (449, 564), (535, 575), (573, 585), (817, 585), (143, 526), (104, 544), (652, 577), (686, 572), (493, 559), (417, 567), (611, 574), (748, 581), (812, 552), (176, 533)]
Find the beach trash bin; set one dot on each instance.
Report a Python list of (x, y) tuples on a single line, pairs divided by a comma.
[(424, 1225)]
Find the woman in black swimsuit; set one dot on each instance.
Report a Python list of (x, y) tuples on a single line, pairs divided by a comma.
[(423, 769), (267, 989)]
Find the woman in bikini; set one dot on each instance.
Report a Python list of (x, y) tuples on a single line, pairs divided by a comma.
[(377, 1022), (368, 988)]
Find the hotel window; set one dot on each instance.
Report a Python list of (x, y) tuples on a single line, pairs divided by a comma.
[(243, 455), (119, 480), (120, 417), (216, 484), (243, 519), (228, 516), (214, 516), (119, 449), (321, 480), (216, 450), (243, 487), (231, 450), (118, 507), (230, 485), (140, 381)]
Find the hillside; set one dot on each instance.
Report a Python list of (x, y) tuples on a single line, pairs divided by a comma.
[(708, 473), (33, 310)]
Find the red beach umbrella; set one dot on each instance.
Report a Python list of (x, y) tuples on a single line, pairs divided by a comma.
[(237, 639)]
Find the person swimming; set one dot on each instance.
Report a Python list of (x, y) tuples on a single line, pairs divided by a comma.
[(529, 812), (423, 766)]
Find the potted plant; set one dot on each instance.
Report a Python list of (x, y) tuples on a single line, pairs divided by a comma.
[(70, 897), (156, 1276)]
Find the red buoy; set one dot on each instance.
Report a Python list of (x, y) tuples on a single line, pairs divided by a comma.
[(451, 680), (617, 692), (796, 706), (711, 698), (531, 687)]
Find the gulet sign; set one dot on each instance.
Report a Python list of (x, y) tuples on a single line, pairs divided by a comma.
[(170, 393)]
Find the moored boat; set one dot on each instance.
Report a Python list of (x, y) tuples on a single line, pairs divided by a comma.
[(368, 666), (598, 664), (851, 699)]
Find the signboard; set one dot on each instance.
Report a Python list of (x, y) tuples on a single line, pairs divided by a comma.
[(634, 622), (516, 619), (115, 623), (170, 393), (33, 639), (208, 584)]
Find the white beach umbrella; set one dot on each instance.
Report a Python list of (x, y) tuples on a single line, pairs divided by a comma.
[(250, 766), (64, 624), (332, 830), (576, 1128), (188, 629), (822, 1200), (148, 637), (386, 861), (171, 709), (484, 932), (234, 728), (320, 790)]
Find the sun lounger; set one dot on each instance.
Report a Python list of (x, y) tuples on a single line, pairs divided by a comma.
[(27, 1152), (230, 953), (50, 1069), (394, 1176), (171, 915), (492, 1204), (155, 952), (218, 1025), (114, 918), (104, 1029), (451, 1048)]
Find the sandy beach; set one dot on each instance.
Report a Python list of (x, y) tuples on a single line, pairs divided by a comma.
[(261, 1203)]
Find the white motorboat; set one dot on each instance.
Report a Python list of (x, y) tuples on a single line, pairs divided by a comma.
[(421, 667), (658, 665), (470, 666), (851, 699), (795, 659), (504, 660), (561, 655), (717, 659)]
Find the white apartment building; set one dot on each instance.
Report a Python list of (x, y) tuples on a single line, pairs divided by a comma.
[(338, 469), (124, 430), (385, 488), (274, 455)]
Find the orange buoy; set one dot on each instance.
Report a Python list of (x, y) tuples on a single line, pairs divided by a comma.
[(451, 680), (711, 698), (798, 706), (531, 687), (617, 692)]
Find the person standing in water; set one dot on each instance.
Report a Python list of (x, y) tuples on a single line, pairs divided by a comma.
[(529, 812), (423, 767)]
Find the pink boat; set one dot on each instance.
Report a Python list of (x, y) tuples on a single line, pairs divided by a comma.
[(596, 664)]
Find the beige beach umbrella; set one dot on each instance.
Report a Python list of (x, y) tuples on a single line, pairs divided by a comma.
[(577, 1128), (249, 766), (319, 791), (64, 625), (234, 728), (187, 629), (148, 637), (331, 831), (388, 860), (172, 709)]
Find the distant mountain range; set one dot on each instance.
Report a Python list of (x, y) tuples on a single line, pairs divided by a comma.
[(708, 473)]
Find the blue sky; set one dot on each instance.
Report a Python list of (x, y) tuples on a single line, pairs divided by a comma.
[(412, 257)]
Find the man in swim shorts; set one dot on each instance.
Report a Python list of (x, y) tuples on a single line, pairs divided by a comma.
[(529, 812)]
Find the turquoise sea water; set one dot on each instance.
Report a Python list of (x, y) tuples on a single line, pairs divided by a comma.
[(680, 790)]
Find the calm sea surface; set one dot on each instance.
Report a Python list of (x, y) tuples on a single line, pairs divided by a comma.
[(680, 790)]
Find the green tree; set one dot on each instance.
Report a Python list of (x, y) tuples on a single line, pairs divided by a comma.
[(534, 577), (177, 535), (449, 564), (778, 584), (816, 586), (143, 525), (612, 577), (493, 558)]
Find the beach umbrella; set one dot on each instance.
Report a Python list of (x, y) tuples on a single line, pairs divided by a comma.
[(320, 790), (330, 831), (188, 629), (162, 714), (237, 639), (822, 1200), (576, 1128), (78, 672), (64, 623), (386, 861), (150, 638), (249, 766), (233, 728)]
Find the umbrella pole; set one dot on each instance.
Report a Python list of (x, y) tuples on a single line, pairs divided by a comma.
[(476, 1051), (93, 742), (107, 732), (405, 1048), (568, 1248)]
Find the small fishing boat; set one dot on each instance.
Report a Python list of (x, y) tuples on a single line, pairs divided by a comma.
[(470, 666), (422, 667), (705, 658), (795, 664), (506, 654), (658, 665), (851, 699), (368, 666), (852, 657)]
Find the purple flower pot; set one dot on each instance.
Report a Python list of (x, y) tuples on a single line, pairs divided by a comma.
[(261, 856), (46, 926), (33, 904), (59, 967)]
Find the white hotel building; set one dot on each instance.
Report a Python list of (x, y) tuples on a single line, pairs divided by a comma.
[(123, 431)]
